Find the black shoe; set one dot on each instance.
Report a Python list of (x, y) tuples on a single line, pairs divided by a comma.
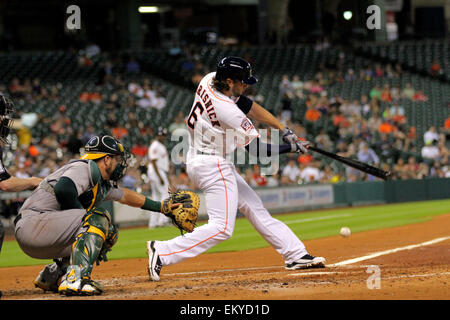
[(154, 263), (307, 261)]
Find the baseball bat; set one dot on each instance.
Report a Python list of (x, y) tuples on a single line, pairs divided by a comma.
[(364, 167)]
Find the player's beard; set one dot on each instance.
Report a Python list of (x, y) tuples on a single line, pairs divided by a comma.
[(235, 92)]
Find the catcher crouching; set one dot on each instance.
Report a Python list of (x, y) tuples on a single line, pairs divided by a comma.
[(63, 220)]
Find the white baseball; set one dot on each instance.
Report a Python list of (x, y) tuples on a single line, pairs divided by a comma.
[(345, 232)]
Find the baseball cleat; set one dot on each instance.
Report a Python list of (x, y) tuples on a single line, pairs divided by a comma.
[(154, 263), (50, 277), (307, 261), (73, 284)]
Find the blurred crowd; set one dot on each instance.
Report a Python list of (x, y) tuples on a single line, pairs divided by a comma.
[(373, 128)]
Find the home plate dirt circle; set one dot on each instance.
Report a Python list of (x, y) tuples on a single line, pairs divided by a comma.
[(416, 272)]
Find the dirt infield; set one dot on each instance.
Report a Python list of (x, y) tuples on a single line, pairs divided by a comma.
[(422, 272)]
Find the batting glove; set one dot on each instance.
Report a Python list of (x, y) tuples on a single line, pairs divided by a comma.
[(302, 146), (289, 136)]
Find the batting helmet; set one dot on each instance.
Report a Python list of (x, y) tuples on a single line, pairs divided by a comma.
[(235, 68), (6, 120), (100, 146)]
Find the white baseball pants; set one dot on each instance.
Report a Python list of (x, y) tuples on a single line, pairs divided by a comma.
[(225, 191), (159, 193)]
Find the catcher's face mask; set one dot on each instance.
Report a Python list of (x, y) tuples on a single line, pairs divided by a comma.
[(101, 146), (6, 120)]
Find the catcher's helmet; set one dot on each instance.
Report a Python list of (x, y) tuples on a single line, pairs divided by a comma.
[(235, 68), (6, 120), (100, 146)]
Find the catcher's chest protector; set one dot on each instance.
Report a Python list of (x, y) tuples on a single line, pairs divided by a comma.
[(98, 190)]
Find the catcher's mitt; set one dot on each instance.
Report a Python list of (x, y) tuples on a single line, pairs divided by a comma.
[(184, 217)]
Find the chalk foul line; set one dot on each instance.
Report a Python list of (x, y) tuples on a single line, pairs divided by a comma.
[(385, 252)]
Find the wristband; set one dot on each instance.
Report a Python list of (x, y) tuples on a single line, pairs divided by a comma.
[(151, 205)]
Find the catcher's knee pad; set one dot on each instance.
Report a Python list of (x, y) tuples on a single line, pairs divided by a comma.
[(87, 247)]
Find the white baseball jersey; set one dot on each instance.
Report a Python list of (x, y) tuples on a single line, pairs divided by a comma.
[(216, 125), (158, 152)]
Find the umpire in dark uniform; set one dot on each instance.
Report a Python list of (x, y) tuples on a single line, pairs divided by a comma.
[(7, 182)]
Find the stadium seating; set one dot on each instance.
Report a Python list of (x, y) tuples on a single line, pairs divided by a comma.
[(172, 73)]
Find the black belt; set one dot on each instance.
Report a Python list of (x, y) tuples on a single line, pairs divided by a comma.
[(17, 218), (205, 153)]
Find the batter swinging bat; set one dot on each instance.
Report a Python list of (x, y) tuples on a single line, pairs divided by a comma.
[(364, 167)]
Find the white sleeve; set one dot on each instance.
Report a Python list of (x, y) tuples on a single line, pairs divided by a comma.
[(153, 153), (243, 130)]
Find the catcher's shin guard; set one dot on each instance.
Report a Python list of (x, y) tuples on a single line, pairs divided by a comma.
[(85, 251)]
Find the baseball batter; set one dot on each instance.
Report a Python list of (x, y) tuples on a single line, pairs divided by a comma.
[(62, 219), (158, 169), (9, 183), (217, 125)]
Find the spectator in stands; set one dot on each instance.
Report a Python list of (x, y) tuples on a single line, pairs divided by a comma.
[(311, 173), (316, 87), (132, 66), (430, 135), (178, 123), (383, 147), (131, 179), (261, 180), (423, 171), (397, 113), (400, 171), (446, 129), (420, 96), (248, 176), (36, 87), (408, 92), (74, 143), (16, 89), (159, 101), (286, 107), (355, 108), (291, 172), (327, 175), (89, 132), (297, 87), (273, 180), (436, 170), (147, 96), (323, 140), (286, 87), (92, 50), (367, 155), (435, 69), (342, 148), (345, 108), (378, 70), (312, 114), (396, 93), (430, 151), (385, 95), (139, 148), (386, 127), (375, 92), (119, 131)]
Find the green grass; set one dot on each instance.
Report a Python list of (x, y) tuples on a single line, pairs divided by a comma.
[(307, 225)]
